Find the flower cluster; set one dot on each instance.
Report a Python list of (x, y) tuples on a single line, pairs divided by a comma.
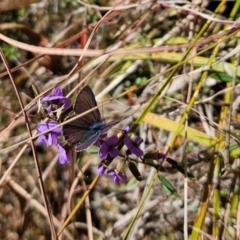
[(50, 129), (109, 148), (56, 101)]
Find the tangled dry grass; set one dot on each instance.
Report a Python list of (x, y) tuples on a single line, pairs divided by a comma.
[(171, 69)]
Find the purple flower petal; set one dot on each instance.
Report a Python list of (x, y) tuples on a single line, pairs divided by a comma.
[(57, 92), (128, 142), (50, 137), (116, 175), (49, 109), (161, 156), (42, 127), (57, 97), (54, 138), (108, 148), (42, 139), (103, 152), (64, 157), (125, 130), (137, 151), (112, 141), (116, 178), (114, 152), (111, 172), (67, 103), (122, 177), (133, 145), (59, 101), (101, 169)]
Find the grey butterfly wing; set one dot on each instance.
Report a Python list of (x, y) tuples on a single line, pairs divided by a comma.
[(80, 132), (75, 130), (85, 101)]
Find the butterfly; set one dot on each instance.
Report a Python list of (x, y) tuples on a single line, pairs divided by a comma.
[(85, 131)]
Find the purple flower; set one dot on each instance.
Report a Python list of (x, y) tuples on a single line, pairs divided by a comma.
[(161, 156), (125, 130), (108, 148), (49, 109), (50, 137), (117, 176), (56, 97), (64, 157), (101, 169), (133, 145)]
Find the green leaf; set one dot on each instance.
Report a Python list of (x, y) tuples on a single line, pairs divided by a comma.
[(224, 77), (10, 52), (167, 185), (131, 182)]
